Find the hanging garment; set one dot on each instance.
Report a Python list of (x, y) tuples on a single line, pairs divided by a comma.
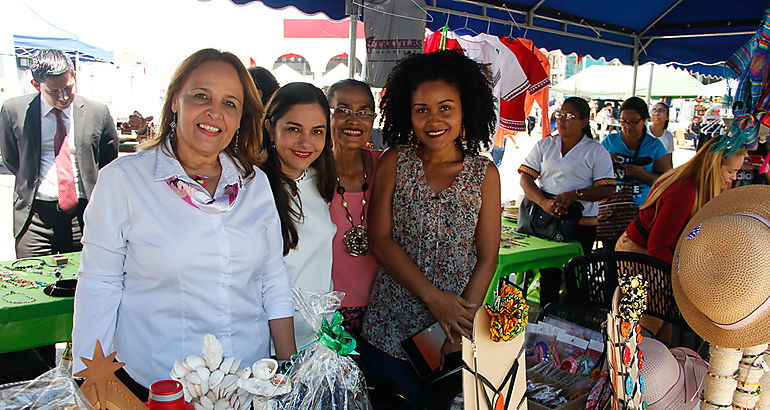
[(433, 43), (512, 116)]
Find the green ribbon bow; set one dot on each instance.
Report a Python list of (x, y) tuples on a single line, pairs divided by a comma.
[(334, 336)]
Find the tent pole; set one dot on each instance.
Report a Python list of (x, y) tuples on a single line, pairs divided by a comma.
[(649, 85), (352, 10), (635, 59)]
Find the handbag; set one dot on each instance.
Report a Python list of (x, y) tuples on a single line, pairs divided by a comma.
[(534, 220)]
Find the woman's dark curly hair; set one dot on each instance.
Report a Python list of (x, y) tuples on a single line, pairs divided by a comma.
[(472, 81)]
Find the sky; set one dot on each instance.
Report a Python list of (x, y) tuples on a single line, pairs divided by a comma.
[(155, 29)]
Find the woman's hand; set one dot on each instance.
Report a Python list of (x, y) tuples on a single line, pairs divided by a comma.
[(636, 171), (565, 200), (453, 312), (553, 207)]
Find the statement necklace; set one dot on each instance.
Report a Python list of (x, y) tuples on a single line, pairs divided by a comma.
[(356, 239)]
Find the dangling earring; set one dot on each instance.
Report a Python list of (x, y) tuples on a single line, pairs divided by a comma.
[(412, 139), (463, 141), (172, 133), (235, 148)]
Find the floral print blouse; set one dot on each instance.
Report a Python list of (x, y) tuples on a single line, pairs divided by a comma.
[(437, 231)]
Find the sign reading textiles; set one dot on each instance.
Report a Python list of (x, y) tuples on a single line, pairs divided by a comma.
[(394, 28)]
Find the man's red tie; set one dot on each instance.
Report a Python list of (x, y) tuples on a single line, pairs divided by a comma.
[(68, 196)]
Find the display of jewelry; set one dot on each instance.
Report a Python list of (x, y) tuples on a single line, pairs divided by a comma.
[(624, 357)]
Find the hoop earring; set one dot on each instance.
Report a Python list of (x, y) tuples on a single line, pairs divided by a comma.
[(235, 148), (172, 133)]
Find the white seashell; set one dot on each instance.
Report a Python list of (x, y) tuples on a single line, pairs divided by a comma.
[(203, 372), (264, 369), (204, 386), (198, 406), (231, 388), (212, 351), (173, 374), (180, 368), (206, 402), (235, 365), (195, 390), (193, 362), (228, 380), (215, 378), (211, 395), (226, 363), (193, 378), (233, 400), (221, 405), (244, 373), (187, 395)]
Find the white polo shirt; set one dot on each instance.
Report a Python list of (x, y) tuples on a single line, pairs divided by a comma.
[(587, 164)]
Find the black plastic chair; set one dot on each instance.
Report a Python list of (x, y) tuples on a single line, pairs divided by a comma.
[(592, 279)]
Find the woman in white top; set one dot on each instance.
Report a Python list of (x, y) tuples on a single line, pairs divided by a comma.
[(574, 167), (300, 167), (168, 248), (659, 126)]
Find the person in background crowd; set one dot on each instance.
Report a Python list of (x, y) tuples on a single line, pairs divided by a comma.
[(300, 167), (635, 152), (183, 239), (676, 196), (574, 167), (659, 126), (353, 266), (750, 171), (265, 82), (54, 142), (603, 119), (435, 216)]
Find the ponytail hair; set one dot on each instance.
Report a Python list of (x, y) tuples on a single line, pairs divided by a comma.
[(584, 111)]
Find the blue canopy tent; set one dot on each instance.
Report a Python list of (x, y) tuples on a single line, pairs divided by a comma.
[(696, 34), (72, 46)]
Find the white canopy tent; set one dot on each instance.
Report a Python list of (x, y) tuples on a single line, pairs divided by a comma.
[(600, 81)]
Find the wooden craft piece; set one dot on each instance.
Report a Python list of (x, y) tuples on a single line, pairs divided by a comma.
[(494, 360), (102, 388)]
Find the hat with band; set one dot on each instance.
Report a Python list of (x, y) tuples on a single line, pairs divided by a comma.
[(674, 378), (721, 271)]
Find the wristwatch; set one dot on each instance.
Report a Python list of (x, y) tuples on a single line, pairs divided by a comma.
[(579, 193)]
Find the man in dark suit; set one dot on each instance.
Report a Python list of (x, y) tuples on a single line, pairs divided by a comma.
[(55, 143)]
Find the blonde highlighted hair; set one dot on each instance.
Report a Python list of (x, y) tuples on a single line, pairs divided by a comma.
[(705, 168), (249, 153)]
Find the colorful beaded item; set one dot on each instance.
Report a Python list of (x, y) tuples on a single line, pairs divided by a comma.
[(509, 314), (29, 299)]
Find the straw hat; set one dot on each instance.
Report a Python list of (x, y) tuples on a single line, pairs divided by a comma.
[(721, 270), (674, 378)]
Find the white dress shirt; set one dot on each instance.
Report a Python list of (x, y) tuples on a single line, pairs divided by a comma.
[(48, 187), (310, 264), (158, 274)]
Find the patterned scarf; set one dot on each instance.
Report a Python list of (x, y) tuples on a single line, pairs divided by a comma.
[(201, 200)]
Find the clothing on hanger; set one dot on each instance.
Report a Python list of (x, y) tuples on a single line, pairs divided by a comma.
[(512, 109)]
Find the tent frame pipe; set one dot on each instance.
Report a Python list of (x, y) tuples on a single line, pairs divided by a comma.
[(531, 13), (737, 33), (353, 11), (654, 22), (432, 7), (635, 59), (543, 29)]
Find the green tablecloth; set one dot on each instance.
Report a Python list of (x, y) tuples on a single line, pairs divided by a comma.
[(537, 254), (41, 322)]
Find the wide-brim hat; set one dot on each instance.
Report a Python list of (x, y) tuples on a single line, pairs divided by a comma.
[(673, 378), (721, 269)]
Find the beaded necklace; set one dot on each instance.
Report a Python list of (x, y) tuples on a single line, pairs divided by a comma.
[(356, 238)]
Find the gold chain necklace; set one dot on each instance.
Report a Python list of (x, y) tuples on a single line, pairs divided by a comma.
[(356, 239)]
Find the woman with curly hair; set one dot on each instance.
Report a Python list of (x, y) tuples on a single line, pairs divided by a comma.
[(435, 212)]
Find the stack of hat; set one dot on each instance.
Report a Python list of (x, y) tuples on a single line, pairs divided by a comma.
[(674, 377), (721, 282)]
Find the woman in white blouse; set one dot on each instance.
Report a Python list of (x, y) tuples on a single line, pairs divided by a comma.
[(300, 167), (168, 247), (574, 167)]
